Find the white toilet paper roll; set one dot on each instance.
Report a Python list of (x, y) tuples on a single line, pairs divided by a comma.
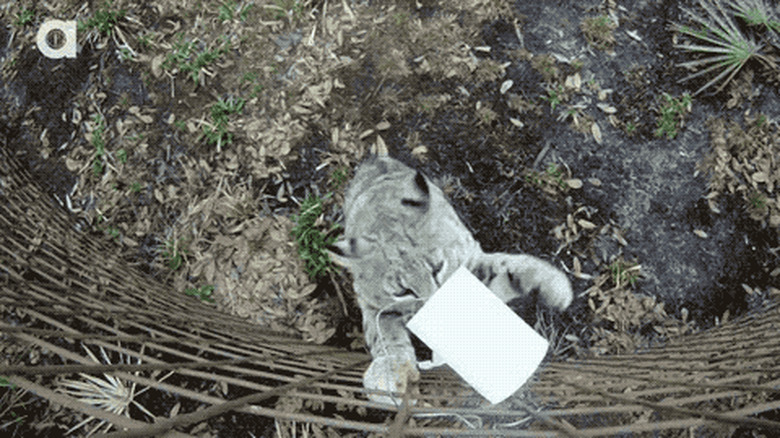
[(69, 46)]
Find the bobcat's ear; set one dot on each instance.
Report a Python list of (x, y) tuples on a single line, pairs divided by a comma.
[(343, 250), (419, 179), (422, 185)]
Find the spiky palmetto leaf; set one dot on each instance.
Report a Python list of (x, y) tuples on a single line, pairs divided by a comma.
[(756, 13), (720, 37), (110, 393), (759, 13)]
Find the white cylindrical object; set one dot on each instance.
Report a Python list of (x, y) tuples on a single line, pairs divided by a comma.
[(69, 46)]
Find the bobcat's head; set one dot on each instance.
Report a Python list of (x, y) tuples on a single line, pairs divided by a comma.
[(387, 206), (384, 199)]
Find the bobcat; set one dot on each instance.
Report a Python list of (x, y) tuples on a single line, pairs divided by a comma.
[(402, 241)]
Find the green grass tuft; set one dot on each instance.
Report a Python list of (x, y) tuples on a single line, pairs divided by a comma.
[(312, 242), (672, 111)]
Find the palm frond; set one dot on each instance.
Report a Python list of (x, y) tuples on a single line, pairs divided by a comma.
[(730, 48), (109, 393), (754, 12), (759, 13)]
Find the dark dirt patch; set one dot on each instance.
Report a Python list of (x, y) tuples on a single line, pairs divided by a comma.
[(648, 184), (432, 79)]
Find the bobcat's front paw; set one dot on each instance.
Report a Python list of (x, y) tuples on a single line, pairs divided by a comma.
[(391, 373), (556, 292)]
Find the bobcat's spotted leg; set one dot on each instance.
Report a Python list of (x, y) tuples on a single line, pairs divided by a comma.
[(511, 276), (394, 366)]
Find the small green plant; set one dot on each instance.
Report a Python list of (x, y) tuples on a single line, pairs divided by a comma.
[(145, 41), (546, 66), (486, 115), (104, 19), (311, 240), (551, 180), (173, 254), (624, 273), (556, 173), (757, 13), (285, 8), (757, 201), (256, 91), (204, 293), (400, 18), (554, 96), (338, 178), (135, 187), (25, 17), (251, 78), (125, 54), (11, 399), (598, 31), (121, 155), (108, 229), (672, 111), (630, 128), (244, 12), (533, 178), (226, 11), (100, 145), (722, 40), (217, 133), (186, 60)]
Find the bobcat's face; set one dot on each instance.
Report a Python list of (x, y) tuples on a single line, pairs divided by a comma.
[(385, 194)]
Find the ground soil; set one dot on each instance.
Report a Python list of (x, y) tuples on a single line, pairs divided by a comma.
[(645, 188)]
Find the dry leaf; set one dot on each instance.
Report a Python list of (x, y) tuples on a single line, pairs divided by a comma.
[(157, 62), (588, 225), (577, 267), (573, 82), (609, 109), (596, 131), (158, 196), (506, 85), (516, 122), (759, 177), (365, 133), (174, 410), (419, 152), (574, 183)]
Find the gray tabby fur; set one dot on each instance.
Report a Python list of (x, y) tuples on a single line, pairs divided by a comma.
[(402, 241)]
